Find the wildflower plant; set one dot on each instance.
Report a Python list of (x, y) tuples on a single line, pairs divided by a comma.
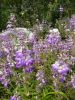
[(36, 69)]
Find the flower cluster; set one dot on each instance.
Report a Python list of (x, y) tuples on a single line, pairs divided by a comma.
[(72, 22), (40, 79), (73, 81), (54, 37), (61, 67), (16, 96), (23, 59)]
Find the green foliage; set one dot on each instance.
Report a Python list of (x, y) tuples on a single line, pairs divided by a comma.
[(28, 11), (60, 26), (4, 14)]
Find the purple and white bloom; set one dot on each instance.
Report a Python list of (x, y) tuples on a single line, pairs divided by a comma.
[(31, 37), (60, 66), (62, 78), (72, 22), (29, 60), (29, 51), (40, 76), (54, 37), (73, 81), (7, 71), (12, 17), (24, 59), (19, 64), (19, 58), (12, 98), (16, 96), (72, 58), (29, 69), (65, 45), (5, 83), (19, 54), (1, 53), (3, 78)]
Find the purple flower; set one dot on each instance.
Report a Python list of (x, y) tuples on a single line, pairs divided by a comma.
[(29, 61), (20, 59), (29, 69), (12, 17), (66, 45), (29, 51), (73, 81), (54, 37), (7, 71), (62, 78), (40, 76), (5, 83), (31, 37), (12, 98), (1, 78), (20, 63), (62, 45), (1, 53), (73, 58), (72, 22), (19, 54), (41, 79), (23, 59), (60, 66)]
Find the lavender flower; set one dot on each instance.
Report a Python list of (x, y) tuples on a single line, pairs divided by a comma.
[(1, 53), (62, 78), (29, 51), (29, 69), (7, 71), (65, 45), (73, 58), (16, 96), (60, 66), (12, 98), (29, 60), (40, 78), (72, 22), (11, 21), (5, 83), (20, 59), (4, 78), (31, 37), (73, 81), (19, 54), (25, 60), (53, 39)]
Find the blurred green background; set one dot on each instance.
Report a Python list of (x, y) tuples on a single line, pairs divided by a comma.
[(28, 11)]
